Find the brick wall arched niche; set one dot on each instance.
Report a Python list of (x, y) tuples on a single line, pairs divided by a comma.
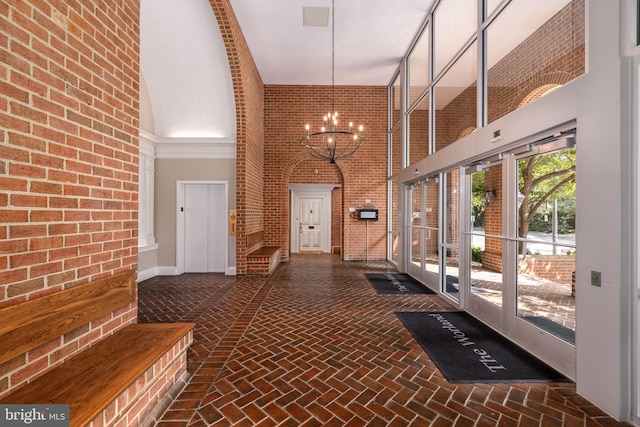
[(363, 176), (305, 169)]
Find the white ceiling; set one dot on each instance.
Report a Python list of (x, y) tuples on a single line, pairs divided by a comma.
[(371, 36), (185, 65)]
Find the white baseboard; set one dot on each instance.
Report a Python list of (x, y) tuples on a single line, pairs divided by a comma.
[(171, 271), (147, 274), (167, 271)]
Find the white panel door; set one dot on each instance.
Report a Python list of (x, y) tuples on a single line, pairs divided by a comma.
[(204, 228), (311, 227)]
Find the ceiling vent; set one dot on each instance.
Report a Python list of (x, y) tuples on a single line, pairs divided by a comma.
[(315, 16)]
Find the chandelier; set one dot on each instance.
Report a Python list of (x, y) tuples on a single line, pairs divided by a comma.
[(331, 143)]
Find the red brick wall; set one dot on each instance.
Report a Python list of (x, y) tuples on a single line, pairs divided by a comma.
[(418, 134), (248, 91), (554, 54), (557, 268), (363, 176), (68, 158), (492, 256)]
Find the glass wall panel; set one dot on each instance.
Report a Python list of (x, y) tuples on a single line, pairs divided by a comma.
[(419, 67), (417, 224), (486, 242), (394, 233), (396, 151), (491, 6), (419, 131), (432, 221), (451, 231), (546, 242), (456, 100), (454, 22), (533, 47), (395, 102)]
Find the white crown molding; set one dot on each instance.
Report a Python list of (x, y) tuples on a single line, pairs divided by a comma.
[(195, 148), (147, 143), (307, 188)]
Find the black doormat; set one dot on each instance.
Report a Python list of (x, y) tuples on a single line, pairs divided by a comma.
[(467, 351), (396, 284)]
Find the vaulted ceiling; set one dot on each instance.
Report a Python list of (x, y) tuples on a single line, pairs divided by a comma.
[(186, 72)]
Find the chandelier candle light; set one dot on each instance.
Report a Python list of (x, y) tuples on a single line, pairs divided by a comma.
[(330, 143)]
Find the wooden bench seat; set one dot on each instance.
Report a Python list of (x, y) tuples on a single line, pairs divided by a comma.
[(264, 251), (121, 378), (261, 259), (96, 377)]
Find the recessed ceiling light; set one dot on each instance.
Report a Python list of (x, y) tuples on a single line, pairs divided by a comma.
[(315, 16)]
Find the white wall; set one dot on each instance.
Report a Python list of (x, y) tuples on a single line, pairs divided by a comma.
[(602, 335)]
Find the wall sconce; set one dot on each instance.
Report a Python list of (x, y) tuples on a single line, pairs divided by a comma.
[(489, 196)]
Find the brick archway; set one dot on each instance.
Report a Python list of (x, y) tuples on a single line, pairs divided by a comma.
[(539, 86), (285, 179), (248, 92)]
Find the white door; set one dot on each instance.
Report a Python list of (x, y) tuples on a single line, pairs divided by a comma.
[(311, 226), (204, 228)]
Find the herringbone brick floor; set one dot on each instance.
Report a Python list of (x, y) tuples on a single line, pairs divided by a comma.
[(314, 345)]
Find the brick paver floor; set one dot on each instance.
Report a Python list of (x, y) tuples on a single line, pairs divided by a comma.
[(314, 345)]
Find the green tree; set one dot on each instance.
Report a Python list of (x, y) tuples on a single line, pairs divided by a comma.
[(541, 178)]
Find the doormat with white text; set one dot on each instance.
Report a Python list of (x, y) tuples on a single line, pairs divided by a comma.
[(396, 284), (467, 351)]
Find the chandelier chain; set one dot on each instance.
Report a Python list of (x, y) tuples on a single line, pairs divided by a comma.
[(333, 56), (330, 143)]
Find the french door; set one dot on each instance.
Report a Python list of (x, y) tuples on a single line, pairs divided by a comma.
[(520, 247), (424, 231), (497, 237)]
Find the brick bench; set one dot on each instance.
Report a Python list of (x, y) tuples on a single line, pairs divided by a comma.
[(121, 379), (262, 259)]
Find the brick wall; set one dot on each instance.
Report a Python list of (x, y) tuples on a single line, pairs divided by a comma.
[(248, 91), (68, 158), (553, 54), (557, 268), (363, 176), (492, 256)]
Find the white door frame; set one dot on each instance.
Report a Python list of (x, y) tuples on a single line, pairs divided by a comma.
[(180, 233), (299, 191)]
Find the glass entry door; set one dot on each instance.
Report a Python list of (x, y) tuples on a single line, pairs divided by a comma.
[(486, 237), (546, 244), (450, 245), (424, 231), (520, 249)]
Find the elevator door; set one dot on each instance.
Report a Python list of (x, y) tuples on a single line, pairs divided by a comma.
[(204, 228)]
